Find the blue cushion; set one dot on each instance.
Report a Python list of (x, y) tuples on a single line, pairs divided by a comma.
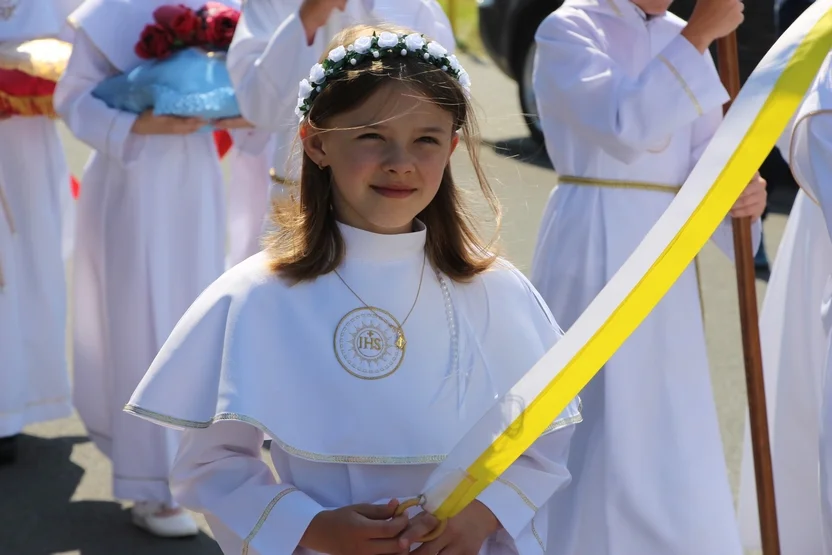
[(190, 83)]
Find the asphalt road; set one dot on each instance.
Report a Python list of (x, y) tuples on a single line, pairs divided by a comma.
[(58, 499)]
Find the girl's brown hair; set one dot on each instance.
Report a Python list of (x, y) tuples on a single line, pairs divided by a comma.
[(307, 243)]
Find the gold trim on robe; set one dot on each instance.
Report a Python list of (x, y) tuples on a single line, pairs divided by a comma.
[(266, 512), (682, 82), (317, 457)]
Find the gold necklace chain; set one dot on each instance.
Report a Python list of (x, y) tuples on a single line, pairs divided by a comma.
[(400, 340)]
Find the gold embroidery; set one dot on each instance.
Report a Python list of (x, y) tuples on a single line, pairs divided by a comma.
[(519, 492), (366, 344), (28, 106), (682, 82), (804, 118), (537, 537), (295, 452), (562, 423), (264, 516)]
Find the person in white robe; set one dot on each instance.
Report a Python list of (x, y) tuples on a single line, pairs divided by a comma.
[(810, 158), (34, 201), (361, 401), (629, 98), (150, 237), (276, 43), (793, 343)]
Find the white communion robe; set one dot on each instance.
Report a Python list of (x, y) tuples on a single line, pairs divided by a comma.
[(624, 101), (34, 181), (150, 237), (793, 343), (270, 55), (811, 163), (352, 418)]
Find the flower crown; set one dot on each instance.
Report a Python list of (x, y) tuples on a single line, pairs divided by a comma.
[(384, 45)]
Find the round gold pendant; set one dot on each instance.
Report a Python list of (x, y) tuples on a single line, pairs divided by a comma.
[(368, 347)]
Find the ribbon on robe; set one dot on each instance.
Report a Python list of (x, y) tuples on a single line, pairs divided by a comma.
[(756, 120)]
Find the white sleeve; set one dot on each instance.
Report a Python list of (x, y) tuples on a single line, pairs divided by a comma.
[(268, 57), (811, 159), (580, 89), (102, 128), (219, 472)]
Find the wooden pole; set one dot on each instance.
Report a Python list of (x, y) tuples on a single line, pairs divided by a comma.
[(728, 63)]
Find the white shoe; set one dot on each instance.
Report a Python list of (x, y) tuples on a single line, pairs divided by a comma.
[(160, 521)]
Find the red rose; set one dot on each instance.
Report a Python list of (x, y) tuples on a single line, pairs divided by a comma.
[(155, 42), (220, 24), (181, 21)]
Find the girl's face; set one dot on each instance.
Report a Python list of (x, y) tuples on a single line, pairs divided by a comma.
[(387, 157)]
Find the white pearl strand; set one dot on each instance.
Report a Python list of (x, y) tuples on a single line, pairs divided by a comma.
[(449, 314)]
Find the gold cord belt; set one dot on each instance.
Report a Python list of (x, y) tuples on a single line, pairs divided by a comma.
[(639, 185), (617, 184)]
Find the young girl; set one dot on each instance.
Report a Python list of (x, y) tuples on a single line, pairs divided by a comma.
[(150, 238), (34, 188), (375, 330)]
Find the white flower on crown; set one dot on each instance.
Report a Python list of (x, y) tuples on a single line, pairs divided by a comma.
[(363, 44), (455, 65), (414, 42), (299, 113), (464, 79), (301, 101), (436, 50), (337, 54), (317, 74), (388, 40), (305, 89)]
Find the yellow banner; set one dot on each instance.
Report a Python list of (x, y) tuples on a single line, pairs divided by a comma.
[(756, 120)]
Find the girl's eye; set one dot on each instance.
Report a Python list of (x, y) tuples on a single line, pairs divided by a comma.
[(430, 140), (370, 136)]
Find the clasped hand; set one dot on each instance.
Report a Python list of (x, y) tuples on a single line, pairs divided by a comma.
[(374, 530)]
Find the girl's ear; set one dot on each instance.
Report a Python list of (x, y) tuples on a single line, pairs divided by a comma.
[(312, 144), (454, 142)]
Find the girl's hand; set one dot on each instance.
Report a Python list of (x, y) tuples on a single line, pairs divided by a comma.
[(148, 124), (356, 530), (465, 534), (752, 201)]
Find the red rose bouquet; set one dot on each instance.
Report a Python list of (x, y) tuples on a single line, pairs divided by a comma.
[(177, 27)]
